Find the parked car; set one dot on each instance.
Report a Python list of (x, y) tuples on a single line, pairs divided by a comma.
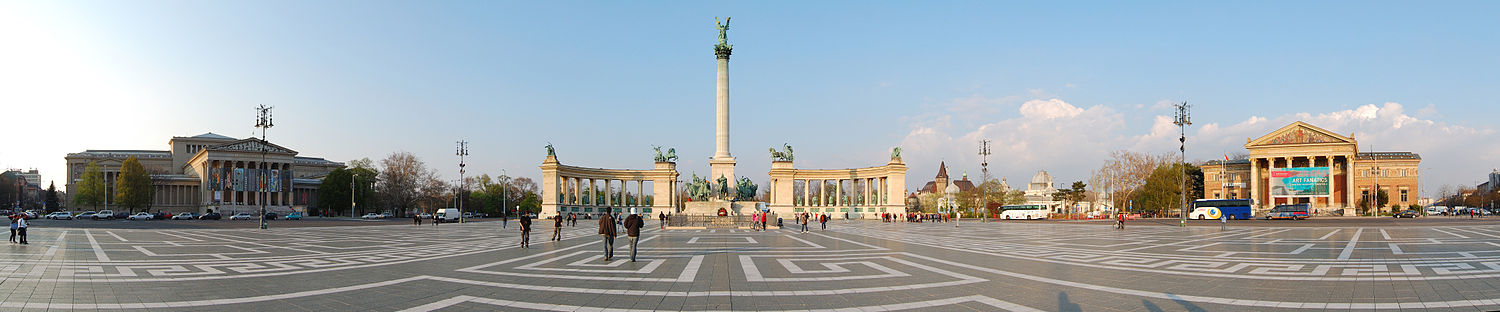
[(270, 216), (121, 214), (242, 216), (140, 216), (425, 215), (294, 216), (386, 215), (371, 215), (161, 215), (184, 216), (104, 214), (210, 216), (86, 215), (60, 215), (1407, 214)]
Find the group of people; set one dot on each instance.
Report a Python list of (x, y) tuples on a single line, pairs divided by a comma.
[(608, 231), (759, 220), (608, 226), (804, 218), (18, 227)]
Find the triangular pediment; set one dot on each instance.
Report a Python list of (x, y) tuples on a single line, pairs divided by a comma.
[(253, 145), (1299, 133)]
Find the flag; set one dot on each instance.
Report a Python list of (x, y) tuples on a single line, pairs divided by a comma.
[(1226, 157)]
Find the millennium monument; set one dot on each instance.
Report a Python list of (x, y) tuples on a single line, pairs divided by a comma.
[(859, 192)]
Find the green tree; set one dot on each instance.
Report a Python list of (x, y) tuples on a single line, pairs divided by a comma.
[(1162, 192), (1071, 196), (52, 201), (133, 190), (10, 184), (1364, 203), (531, 203), (90, 190), (333, 194)]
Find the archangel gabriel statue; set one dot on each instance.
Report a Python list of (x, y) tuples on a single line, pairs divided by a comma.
[(722, 27)]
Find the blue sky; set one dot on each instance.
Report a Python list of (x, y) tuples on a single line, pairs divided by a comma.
[(1056, 86)]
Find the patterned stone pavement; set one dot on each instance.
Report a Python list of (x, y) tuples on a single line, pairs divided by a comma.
[(858, 265)]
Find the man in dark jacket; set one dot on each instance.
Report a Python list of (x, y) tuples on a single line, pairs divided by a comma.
[(557, 224), (662, 217), (607, 231), (525, 230), (633, 225)]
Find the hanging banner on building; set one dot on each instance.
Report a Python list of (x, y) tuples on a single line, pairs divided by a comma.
[(1299, 182), (275, 179), (239, 179)]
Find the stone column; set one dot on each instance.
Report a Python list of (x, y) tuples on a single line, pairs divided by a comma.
[(1255, 183), (722, 164)]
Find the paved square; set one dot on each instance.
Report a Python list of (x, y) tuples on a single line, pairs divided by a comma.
[(1020, 266)]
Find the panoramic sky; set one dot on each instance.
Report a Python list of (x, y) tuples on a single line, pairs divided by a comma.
[(1056, 87)]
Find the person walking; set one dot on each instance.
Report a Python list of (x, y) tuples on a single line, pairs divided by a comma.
[(1120, 221), (21, 228), (525, 231), (662, 217), (823, 220), (416, 219), (557, 225), (802, 218), (633, 225), (573, 219), (607, 232), (13, 227), (504, 220)]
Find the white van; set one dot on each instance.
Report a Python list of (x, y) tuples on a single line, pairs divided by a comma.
[(1436, 210), (446, 214)]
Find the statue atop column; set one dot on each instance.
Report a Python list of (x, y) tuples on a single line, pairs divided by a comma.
[(723, 48)]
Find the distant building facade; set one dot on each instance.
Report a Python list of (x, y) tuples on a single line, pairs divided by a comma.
[(211, 171), (1338, 177)]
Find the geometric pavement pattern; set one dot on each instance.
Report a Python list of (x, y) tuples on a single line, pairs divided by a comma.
[(852, 266)]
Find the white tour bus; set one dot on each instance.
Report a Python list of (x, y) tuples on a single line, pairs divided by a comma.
[(1024, 212)]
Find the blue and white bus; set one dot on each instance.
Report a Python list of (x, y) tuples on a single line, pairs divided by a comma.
[(1024, 212), (1209, 209)]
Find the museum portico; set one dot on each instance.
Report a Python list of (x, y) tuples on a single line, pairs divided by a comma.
[(1304, 164), (211, 171)]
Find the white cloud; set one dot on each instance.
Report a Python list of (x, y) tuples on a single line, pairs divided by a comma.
[(1049, 109)]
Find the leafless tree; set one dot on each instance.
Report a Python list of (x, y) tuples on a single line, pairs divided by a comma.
[(1125, 172), (401, 178)]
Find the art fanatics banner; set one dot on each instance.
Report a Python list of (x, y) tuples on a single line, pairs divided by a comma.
[(1299, 182)]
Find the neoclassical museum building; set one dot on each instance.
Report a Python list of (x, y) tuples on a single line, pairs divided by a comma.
[(211, 171), (1302, 163)]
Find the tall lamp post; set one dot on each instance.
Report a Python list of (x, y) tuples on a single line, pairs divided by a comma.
[(1182, 120), (463, 150), (352, 178), (263, 122), (504, 210)]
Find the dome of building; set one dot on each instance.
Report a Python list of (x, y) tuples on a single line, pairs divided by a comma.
[(1041, 181)]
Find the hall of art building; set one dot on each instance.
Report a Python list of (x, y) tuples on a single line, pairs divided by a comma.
[(1302, 163), (211, 171)]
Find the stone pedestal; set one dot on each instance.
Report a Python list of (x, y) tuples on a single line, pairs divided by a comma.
[(711, 208), (722, 167)]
